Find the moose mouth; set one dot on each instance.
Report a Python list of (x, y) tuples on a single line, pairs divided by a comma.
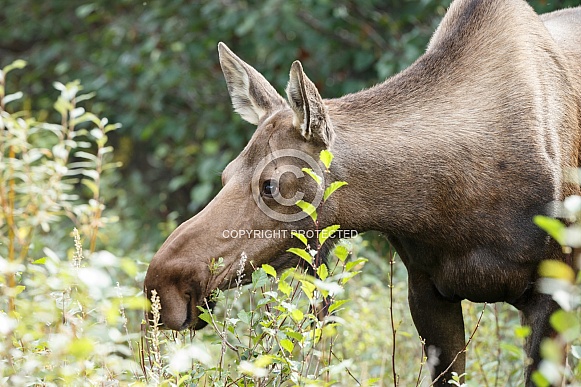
[(180, 308), (196, 323), (191, 320)]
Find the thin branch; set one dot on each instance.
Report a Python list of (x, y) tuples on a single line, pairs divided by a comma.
[(393, 329), (220, 333), (498, 341), (348, 372), (422, 363)]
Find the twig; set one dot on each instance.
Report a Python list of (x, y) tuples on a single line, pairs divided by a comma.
[(347, 369), (393, 329), (498, 341), (424, 359), (222, 334)]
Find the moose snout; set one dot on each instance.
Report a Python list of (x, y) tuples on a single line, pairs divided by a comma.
[(172, 304), (177, 311), (178, 304)]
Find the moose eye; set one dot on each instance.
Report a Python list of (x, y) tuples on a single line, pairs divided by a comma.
[(269, 188)]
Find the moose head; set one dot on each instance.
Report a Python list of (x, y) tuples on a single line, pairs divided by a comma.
[(255, 213)]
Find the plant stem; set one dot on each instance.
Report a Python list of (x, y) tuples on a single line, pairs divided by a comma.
[(11, 234), (422, 363), (498, 341), (393, 329)]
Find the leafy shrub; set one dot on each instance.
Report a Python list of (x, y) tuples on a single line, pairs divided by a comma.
[(563, 283), (63, 321)]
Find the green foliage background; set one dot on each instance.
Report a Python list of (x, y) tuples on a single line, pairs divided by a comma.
[(154, 68)]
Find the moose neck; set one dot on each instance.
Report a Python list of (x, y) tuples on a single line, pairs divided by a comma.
[(383, 149), (409, 144)]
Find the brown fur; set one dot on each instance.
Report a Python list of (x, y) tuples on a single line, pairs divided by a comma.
[(451, 159)]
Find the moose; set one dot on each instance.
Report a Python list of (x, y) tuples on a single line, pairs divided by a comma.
[(450, 159)]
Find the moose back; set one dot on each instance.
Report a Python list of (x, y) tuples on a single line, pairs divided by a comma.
[(451, 159)]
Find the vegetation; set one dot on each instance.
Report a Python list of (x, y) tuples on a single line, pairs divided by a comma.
[(85, 203)]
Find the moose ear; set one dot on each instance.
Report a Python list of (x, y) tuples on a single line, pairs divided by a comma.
[(310, 113), (252, 96)]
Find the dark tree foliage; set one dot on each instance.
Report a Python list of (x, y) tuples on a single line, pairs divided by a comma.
[(155, 67)]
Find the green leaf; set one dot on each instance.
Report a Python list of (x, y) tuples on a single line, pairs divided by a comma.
[(326, 157), (17, 64), (19, 289), (551, 350), (90, 184), (297, 315), (553, 227), (259, 279), (135, 303), (318, 179), (347, 276), (81, 348), (245, 317), (62, 106), (111, 127), (300, 237), (352, 264), (512, 349), (264, 360), (566, 323), (327, 232), (84, 117), (301, 253), (539, 379), (522, 331), (334, 186), (284, 287), (205, 315), (269, 270), (287, 345), (40, 261), (295, 335), (336, 305), (308, 289), (323, 272), (341, 252), (556, 269), (308, 208), (129, 267)]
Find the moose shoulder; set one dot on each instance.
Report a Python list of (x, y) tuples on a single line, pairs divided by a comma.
[(451, 159)]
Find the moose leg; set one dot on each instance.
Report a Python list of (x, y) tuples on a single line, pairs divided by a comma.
[(440, 323), (536, 311)]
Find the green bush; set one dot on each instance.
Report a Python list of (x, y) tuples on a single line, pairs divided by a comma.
[(563, 283), (62, 315)]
